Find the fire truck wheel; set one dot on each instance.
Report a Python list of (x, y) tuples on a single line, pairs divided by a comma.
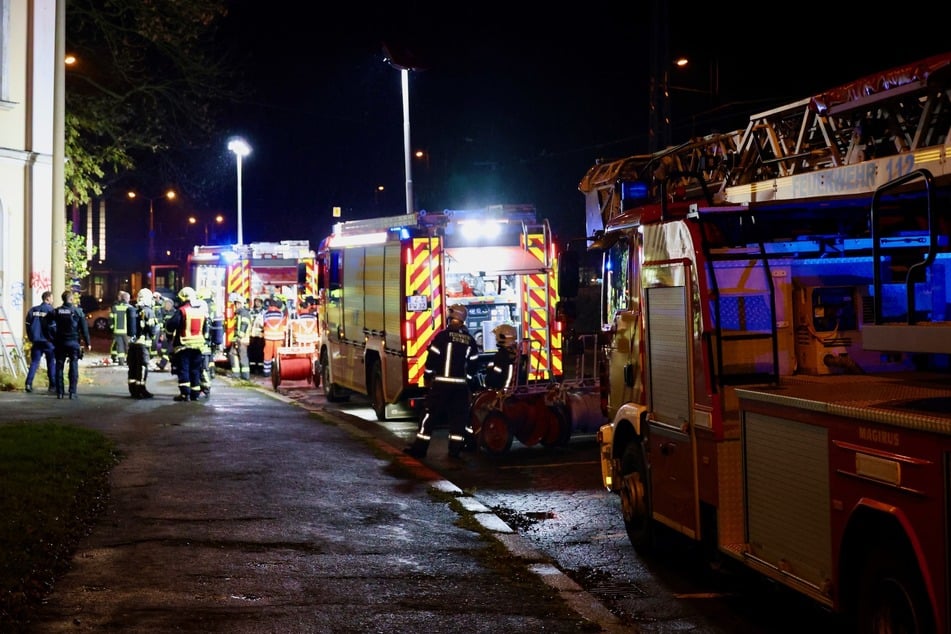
[(495, 437), (332, 392), (376, 391), (892, 596), (635, 501)]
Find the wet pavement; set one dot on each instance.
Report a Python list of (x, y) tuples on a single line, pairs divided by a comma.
[(248, 513)]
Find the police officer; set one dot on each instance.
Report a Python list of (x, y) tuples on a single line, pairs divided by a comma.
[(142, 332), (238, 353), (187, 329), (67, 324), (41, 344), (448, 371)]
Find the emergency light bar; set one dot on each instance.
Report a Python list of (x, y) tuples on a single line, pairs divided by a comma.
[(359, 239)]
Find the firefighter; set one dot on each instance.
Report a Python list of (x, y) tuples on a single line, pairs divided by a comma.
[(238, 354), (187, 329), (121, 314), (163, 311), (448, 372), (214, 337), (143, 330), (256, 347), (504, 370), (304, 327), (274, 328)]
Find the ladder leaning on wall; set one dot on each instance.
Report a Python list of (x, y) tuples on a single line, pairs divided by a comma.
[(13, 358)]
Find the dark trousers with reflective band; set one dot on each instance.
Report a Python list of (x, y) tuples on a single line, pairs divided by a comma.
[(138, 367), (190, 363), (446, 403)]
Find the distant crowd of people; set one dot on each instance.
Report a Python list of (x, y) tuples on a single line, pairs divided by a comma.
[(157, 332)]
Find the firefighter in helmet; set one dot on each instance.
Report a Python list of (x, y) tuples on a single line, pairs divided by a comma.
[(503, 370), (187, 329), (448, 371), (143, 330), (238, 353)]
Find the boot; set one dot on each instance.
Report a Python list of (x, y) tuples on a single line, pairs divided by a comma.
[(417, 449), (144, 392)]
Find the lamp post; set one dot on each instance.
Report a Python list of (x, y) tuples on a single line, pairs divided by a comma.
[(241, 149), (219, 220), (170, 195), (404, 65)]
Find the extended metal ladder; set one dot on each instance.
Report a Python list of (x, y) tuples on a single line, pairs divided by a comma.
[(13, 358)]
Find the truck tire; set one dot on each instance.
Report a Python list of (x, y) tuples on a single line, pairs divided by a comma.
[(376, 391), (635, 496), (892, 596), (332, 392)]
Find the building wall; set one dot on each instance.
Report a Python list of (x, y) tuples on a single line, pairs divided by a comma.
[(27, 65)]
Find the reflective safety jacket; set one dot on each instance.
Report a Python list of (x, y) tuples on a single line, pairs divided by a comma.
[(119, 314), (450, 357), (274, 323), (304, 329), (242, 325), (188, 326)]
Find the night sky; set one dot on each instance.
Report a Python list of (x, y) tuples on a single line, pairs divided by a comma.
[(512, 105)]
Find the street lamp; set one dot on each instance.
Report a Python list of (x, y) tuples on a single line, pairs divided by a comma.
[(170, 195), (219, 220), (241, 149), (404, 65)]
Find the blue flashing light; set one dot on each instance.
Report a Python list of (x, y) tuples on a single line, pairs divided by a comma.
[(634, 191)]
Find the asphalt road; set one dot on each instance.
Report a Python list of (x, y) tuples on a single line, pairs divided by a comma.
[(245, 513)]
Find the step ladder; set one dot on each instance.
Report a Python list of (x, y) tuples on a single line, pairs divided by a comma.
[(13, 358)]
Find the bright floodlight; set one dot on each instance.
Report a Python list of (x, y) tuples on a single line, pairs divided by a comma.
[(239, 147)]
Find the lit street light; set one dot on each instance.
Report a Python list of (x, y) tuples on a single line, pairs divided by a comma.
[(170, 195), (241, 149), (219, 220)]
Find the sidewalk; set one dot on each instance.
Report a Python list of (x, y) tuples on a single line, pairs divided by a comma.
[(247, 513)]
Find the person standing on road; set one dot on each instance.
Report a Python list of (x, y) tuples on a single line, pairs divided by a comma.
[(68, 327), (121, 314), (187, 329), (274, 325), (142, 332), (41, 343), (238, 353), (162, 345), (256, 346), (448, 371)]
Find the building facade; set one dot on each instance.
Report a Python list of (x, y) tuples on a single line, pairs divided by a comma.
[(28, 61)]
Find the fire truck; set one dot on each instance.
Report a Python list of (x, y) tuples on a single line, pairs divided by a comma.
[(259, 269), (385, 284), (776, 344)]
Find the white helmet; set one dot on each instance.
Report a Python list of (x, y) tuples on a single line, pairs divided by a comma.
[(144, 298), (187, 294), (458, 312), (237, 298), (505, 335)]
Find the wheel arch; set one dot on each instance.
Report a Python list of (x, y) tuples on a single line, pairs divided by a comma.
[(371, 358), (872, 526)]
